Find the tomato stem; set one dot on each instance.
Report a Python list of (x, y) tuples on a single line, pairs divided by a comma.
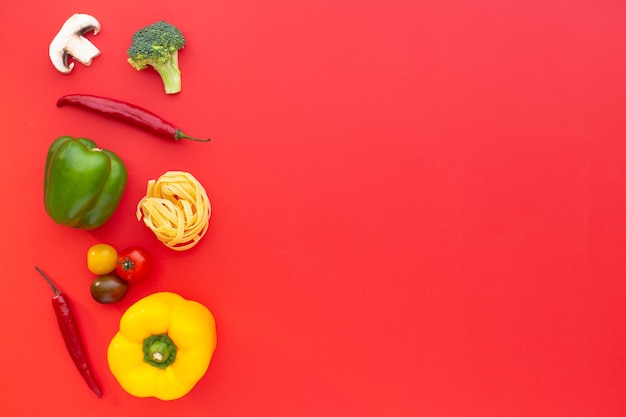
[(127, 264)]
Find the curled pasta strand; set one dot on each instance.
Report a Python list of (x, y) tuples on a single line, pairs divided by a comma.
[(177, 209)]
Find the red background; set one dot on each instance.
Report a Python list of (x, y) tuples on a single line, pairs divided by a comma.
[(418, 205)]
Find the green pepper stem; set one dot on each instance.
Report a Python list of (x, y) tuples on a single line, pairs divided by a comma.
[(159, 350)]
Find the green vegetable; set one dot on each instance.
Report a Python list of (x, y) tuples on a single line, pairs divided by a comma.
[(157, 45), (83, 184)]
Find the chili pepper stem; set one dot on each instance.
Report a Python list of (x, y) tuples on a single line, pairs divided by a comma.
[(180, 135), (47, 278)]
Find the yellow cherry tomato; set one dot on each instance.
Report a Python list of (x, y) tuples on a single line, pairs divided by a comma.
[(101, 259)]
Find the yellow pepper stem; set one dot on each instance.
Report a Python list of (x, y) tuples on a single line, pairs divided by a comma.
[(159, 351)]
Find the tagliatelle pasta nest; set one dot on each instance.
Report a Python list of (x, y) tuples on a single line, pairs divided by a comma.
[(177, 209)]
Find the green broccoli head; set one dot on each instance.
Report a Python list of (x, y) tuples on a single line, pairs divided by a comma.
[(157, 46)]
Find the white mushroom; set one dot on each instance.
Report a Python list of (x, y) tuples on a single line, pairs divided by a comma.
[(70, 41)]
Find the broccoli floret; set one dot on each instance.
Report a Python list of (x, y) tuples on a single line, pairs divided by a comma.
[(157, 45)]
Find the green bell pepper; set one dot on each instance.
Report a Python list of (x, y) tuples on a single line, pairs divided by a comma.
[(83, 184)]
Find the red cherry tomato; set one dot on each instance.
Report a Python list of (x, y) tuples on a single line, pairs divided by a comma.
[(133, 264)]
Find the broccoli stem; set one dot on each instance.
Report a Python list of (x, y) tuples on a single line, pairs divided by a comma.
[(170, 74)]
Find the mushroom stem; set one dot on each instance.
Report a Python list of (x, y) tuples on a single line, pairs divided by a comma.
[(82, 50)]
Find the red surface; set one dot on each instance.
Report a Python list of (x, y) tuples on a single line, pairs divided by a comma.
[(418, 206)]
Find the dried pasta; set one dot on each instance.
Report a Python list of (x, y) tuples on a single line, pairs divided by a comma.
[(177, 209)]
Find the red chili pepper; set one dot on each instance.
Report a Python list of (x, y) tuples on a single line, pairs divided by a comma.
[(71, 335), (129, 113)]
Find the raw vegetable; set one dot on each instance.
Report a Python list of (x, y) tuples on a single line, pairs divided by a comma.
[(126, 112), (107, 289), (133, 264), (71, 335), (83, 184), (177, 209), (157, 46), (70, 41), (101, 259), (163, 347)]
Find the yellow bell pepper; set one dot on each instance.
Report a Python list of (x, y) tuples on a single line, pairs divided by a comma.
[(163, 347)]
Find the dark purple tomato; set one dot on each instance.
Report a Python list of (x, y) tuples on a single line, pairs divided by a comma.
[(107, 289)]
